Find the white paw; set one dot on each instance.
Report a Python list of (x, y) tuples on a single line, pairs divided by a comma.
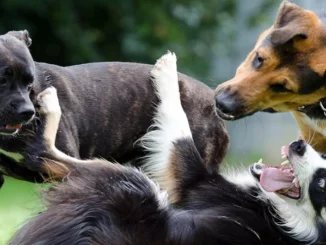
[(165, 76), (48, 101)]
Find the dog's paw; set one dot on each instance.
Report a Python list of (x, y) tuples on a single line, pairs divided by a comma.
[(165, 76), (48, 101)]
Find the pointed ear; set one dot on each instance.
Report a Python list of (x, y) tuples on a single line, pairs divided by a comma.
[(22, 36), (287, 13), (289, 24)]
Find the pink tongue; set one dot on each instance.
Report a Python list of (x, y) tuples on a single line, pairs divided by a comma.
[(273, 179)]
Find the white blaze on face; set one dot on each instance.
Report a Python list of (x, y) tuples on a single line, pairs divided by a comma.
[(305, 166)]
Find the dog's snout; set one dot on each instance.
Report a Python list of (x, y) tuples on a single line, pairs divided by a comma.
[(228, 102), (299, 147), (26, 112)]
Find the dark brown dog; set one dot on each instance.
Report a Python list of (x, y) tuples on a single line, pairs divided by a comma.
[(106, 107), (284, 72)]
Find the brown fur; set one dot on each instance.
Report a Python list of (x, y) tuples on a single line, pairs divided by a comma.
[(300, 34)]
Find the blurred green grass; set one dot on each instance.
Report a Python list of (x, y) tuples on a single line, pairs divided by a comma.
[(19, 201)]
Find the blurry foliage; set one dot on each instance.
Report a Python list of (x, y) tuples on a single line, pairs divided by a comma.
[(260, 15), (67, 32)]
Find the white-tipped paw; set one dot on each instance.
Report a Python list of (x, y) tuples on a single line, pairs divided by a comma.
[(165, 76), (48, 101)]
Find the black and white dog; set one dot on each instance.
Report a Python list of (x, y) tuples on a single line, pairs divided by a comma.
[(186, 201)]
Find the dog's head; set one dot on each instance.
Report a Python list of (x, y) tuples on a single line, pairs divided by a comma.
[(300, 189), (17, 73), (284, 71)]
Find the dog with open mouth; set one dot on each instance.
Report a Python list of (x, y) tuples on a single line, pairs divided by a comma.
[(286, 71), (115, 99), (186, 200)]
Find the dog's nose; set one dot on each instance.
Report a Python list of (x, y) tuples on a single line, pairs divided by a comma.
[(299, 147), (26, 112), (228, 102), (224, 104)]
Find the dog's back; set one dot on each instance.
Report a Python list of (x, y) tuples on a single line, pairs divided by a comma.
[(106, 207)]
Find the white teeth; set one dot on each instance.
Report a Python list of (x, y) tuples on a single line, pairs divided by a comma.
[(286, 162), (296, 182), (283, 156), (260, 161)]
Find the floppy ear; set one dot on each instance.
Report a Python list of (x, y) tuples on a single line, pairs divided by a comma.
[(22, 36), (285, 34), (289, 24)]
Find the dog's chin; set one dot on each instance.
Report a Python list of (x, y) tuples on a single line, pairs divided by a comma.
[(280, 180), (232, 116)]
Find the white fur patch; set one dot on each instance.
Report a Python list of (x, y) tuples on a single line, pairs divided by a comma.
[(49, 106), (240, 177), (170, 121)]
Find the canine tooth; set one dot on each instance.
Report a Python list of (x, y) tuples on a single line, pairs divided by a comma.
[(260, 161), (295, 182), (283, 156), (285, 162)]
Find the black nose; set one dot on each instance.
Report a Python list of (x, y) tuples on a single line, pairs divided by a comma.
[(228, 102), (224, 104), (299, 147), (26, 112)]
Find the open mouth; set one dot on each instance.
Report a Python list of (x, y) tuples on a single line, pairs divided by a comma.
[(280, 179), (10, 129)]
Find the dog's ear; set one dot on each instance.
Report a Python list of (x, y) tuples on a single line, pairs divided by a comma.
[(22, 36), (285, 34), (289, 24)]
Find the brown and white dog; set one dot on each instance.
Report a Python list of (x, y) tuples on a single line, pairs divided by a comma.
[(284, 72)]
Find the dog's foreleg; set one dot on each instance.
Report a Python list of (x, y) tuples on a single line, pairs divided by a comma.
[(169, 129), (58, 164)]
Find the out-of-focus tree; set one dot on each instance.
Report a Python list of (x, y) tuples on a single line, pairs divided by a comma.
[(69, 32)]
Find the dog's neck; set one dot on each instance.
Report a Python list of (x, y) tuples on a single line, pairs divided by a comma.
[(312, 130), (294, 220)]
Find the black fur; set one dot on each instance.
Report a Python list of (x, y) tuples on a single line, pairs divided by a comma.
[(117, 205), (106, 107)]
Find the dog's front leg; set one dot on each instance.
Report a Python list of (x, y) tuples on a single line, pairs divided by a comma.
[(55, 163), (173, 159)]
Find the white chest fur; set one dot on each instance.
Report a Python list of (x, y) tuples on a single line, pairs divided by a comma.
[(317, 125)]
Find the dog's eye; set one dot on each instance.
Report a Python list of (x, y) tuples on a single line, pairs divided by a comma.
[(258, 61), (323, 156), (279, 88), (321, 183)]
